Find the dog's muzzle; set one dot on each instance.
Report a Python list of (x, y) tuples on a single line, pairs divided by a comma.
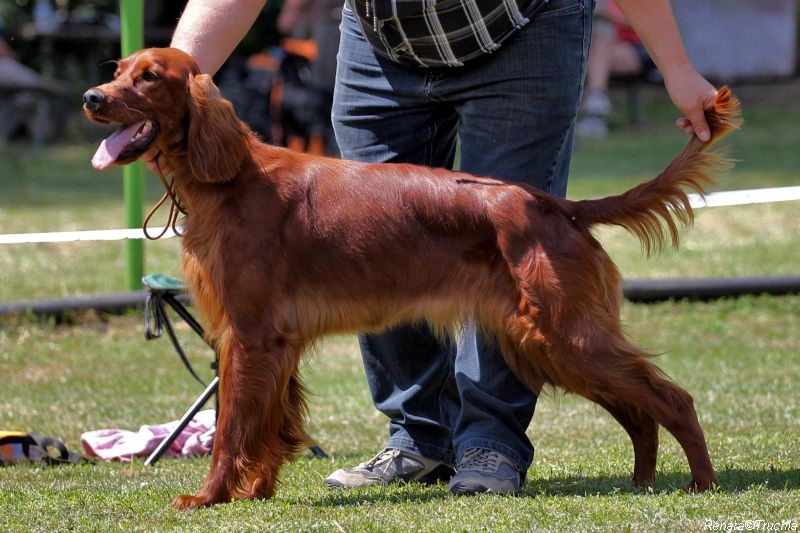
[(93, 99)]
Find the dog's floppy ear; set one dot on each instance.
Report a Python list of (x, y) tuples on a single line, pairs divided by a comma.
[(217, 139)]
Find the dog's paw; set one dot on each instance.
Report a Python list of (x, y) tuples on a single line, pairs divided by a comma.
[(185, 501), (701, 486)]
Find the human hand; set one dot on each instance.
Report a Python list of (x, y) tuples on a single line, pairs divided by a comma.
[(692, 94)]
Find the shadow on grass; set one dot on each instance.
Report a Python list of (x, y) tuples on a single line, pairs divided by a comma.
[(354, 497), (732, 481)]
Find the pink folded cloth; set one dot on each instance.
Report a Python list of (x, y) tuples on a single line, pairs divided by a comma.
[(119, 444)]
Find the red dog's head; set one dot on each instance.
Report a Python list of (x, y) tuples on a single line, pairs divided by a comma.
[(163, 104)]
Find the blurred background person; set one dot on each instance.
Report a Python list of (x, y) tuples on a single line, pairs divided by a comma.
[(319, 21), (616, 51)]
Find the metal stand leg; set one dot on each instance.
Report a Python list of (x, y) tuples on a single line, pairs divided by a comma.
[(156, 311), (211, 389)]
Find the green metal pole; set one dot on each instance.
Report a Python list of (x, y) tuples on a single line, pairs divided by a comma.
[(132, 34)]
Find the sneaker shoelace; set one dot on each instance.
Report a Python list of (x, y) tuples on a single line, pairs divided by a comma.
[(382, 457), (480, 459)]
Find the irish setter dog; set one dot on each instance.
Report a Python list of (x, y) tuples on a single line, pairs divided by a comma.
[(281, 248)]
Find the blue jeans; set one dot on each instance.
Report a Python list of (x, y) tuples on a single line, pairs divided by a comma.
[(513, 112)]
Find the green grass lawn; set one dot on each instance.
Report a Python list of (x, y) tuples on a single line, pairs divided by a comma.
[(737, 357)]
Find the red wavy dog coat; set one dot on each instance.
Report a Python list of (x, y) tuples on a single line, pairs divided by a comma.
[(281, 248)]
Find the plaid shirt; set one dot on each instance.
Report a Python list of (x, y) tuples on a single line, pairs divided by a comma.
[(440, 33)]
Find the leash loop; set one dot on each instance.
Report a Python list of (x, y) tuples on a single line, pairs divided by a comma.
[(175, 208)]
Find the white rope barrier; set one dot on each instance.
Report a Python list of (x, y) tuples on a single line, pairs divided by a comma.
[(715, 199), (745, 197), (72, 236)]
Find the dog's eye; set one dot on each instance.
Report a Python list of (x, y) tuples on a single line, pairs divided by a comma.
[(149, 75)]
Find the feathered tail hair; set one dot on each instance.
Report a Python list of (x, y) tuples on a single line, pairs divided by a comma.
[(656, 209)]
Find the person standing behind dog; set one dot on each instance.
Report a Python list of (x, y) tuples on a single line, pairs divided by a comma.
[(616, 51), (505, 78), (322, 18)]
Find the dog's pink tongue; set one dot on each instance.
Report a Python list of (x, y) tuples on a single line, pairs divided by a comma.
[(111, 147)]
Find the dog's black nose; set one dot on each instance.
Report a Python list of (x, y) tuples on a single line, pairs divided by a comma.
[(93, 99)]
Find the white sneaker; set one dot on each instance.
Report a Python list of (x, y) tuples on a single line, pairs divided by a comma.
[(388, 466), (596, 103), (592, 127)]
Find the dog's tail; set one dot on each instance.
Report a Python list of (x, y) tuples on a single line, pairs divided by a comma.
[(656, 208)]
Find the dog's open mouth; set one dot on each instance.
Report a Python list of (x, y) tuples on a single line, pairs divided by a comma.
[(126, 144)]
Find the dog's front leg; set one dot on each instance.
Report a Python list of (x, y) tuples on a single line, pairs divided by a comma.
[(260, 422)]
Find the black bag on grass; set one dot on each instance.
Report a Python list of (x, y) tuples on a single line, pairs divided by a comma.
[(21, 447)]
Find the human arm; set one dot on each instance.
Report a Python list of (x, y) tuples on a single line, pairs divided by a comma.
[(690, 92), (209, 30)]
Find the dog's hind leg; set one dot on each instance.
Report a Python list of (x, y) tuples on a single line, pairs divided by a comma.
[(565, 329), (643, 431), (599, 364), (612, 372), (640, 426)]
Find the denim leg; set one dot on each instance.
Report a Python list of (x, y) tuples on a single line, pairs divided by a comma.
[(410, 376), (517, 112), (381, 112), (514, 111), (518, 107)]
